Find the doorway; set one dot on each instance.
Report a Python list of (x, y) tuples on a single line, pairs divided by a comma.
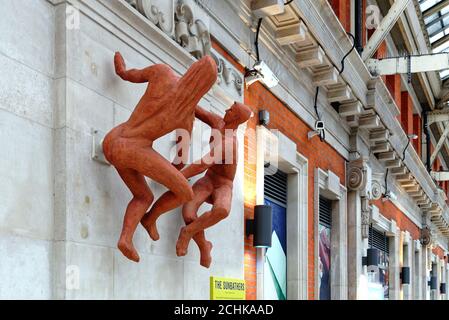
[(275, 265)]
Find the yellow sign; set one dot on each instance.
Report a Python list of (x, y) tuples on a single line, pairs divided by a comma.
[(227, 289)]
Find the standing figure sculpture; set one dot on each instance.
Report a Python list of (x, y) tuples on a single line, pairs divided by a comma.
[(168, 104), (214, 188)]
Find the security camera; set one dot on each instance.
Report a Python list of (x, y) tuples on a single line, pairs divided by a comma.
[(319, 125), (261, 72), (319, 130)]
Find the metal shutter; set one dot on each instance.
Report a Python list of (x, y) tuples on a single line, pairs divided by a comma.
[(378, 240), (325, 212), (275, 188)]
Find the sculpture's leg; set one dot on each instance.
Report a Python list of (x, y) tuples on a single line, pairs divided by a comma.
[(222, 199), (142, 199), (151, 164), (167, 202), (202, 189)]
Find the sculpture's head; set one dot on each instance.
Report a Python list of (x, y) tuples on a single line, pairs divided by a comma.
[(237, 114)]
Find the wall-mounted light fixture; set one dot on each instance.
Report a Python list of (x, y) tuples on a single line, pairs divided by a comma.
[(443, 288), (264, 117), (261, 226), (405, 275), (373, 257), (433, 283)]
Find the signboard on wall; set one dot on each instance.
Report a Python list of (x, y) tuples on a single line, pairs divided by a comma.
[(227, 289)]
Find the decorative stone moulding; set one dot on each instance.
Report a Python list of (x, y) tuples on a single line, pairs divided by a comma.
[(228, 77), (176, 18), (178, 22), (360, 177), (192, 34), (377, 188), (159, 12), (366, 217)]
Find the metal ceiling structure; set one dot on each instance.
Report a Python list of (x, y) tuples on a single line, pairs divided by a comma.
[(436, 19)]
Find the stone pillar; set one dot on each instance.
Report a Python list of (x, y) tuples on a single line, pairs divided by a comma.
[(443, 277), (428, 271), (359, 185), (435, 293), (418, 270), (447, 280), (339, 248), (395, 284), (407, 253), (355, 247)]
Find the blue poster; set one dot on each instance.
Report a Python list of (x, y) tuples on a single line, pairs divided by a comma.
[(275, 275)]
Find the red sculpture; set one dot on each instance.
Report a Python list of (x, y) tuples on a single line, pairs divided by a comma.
[(168, 104), (214, 188)]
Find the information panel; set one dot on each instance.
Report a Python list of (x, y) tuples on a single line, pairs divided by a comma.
[(227, 289)]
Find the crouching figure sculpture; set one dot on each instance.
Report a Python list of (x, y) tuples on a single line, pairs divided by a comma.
[(214, 188), (169, 103)]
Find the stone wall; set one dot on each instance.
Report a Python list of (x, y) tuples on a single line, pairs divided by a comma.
[(61, 211), (26, 139)]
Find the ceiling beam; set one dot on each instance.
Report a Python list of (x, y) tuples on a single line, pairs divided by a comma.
[(384, 28), (439, 145)]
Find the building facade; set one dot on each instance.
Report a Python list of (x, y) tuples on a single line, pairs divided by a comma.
[(362, 191)]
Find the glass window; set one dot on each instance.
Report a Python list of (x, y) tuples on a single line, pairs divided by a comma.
[(436, 19)]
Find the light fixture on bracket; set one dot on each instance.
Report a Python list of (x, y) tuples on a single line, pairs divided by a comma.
[(443, 288), (433, 283), (261, 226), (372, 257), (261, 72), (405, 275)]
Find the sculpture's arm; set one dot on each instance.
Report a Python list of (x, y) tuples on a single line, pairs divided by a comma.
[(210, 118), (195, 169), (132, 75), (202, 165)]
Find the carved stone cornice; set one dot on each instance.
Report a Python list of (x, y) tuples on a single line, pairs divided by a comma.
[(178, 20), (228, 77), (359, 176), (160, 12)]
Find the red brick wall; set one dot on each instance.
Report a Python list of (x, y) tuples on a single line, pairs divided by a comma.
[(390, 211), (394, 86), (406, 112), (438, 251), (342, 9), (319, 155)]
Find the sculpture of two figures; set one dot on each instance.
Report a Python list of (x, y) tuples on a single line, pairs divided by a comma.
[(171, 103)]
